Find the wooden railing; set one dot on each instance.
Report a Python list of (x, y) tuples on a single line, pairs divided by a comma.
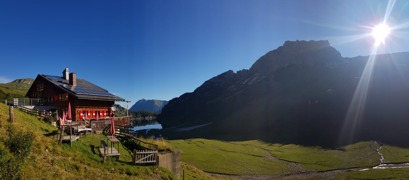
[(141, 143), (104, 124), (122, 121), (29, 111)]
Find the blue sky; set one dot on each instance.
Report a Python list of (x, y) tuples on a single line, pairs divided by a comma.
[(161, 49)]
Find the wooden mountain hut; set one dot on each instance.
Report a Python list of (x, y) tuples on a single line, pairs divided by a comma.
[(87, 100)]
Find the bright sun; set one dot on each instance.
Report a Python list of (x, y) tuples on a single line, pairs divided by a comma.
[(380, 33)]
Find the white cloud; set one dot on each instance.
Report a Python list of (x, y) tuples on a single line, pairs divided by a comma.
[(4, 79)]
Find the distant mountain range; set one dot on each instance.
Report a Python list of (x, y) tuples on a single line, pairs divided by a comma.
[(154, 106), (300, 93), (16, 88)]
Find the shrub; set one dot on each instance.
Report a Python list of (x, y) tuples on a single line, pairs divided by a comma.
[(19, 145)]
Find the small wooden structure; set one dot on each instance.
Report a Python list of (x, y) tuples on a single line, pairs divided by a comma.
[(70, 137), (106, 151)]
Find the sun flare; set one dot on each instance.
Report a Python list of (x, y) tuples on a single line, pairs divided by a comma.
[(380, 33)]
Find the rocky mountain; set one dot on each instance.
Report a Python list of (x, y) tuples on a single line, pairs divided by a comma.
[(154, 106), (304, 92), (16, 88)]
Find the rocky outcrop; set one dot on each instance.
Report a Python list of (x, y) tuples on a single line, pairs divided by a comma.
[(302, 53), (28, 81)]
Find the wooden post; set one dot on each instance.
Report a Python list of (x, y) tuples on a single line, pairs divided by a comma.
[(134, 156), (105, 153), (11, 114), (61, 133), (71, 134)]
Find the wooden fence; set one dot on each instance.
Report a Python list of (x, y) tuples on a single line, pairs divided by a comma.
[(145, 156), (35, 112)]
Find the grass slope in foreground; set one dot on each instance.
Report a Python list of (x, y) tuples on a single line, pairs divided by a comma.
[(49, 160)]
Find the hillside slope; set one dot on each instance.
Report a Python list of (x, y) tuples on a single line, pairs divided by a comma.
[(299, 93), (16, 88), (49, 160)]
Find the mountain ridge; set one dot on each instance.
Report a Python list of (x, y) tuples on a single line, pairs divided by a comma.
[(298, 93), (152, 105)]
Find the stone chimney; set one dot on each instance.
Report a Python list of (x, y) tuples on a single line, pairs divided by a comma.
[(73, 79), (65, 74)]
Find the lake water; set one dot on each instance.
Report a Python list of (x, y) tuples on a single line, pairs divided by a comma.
[(147, 127)]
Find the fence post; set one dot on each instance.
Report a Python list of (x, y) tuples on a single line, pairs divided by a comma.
[(11, 114), (61, 133)]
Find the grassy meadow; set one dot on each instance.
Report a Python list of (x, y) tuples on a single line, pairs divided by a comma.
[(229, 158), (256, 159)]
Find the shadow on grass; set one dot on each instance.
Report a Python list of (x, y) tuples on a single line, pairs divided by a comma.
[(125, 162), (130, 163), (93, 149), (52, 133)]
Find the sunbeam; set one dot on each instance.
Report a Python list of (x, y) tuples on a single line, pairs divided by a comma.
[(357, 105), (388, 11)]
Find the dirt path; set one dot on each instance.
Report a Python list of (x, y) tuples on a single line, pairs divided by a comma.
[(296, 168)]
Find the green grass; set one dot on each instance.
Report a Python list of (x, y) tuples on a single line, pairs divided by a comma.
[(256, 158), (395, 154), (191, 172), (402, 173), (50, 160), (316, 158), (229, 157)]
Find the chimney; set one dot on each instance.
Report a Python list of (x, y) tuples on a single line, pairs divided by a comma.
[(73, 79), (65, 74)]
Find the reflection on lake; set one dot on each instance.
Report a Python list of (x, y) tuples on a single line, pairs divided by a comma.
[(155, 125)]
